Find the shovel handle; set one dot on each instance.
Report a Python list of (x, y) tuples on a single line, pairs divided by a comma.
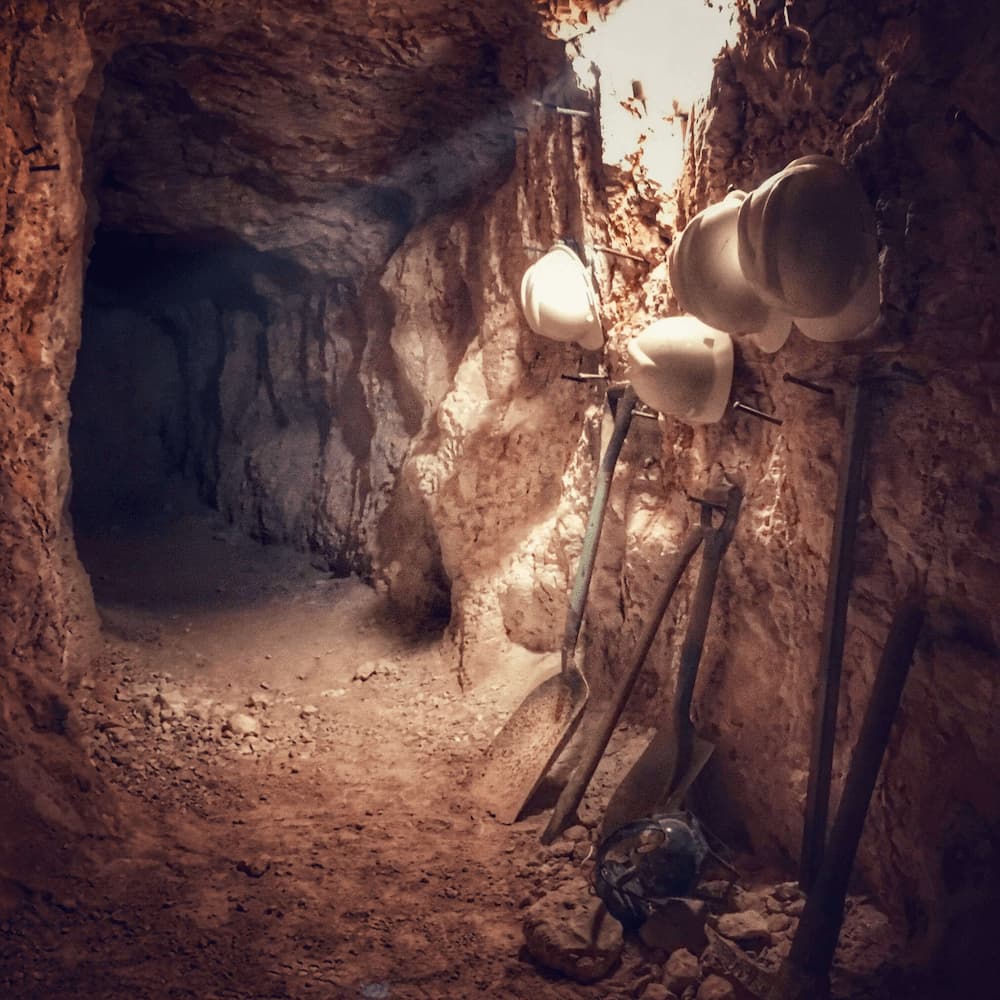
[(819, 927), (574, 790), (588, 554), (716, 542)]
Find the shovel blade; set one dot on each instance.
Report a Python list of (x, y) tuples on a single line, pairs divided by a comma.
[(700, 753), (645, 784), (658, 781), (529, 742)]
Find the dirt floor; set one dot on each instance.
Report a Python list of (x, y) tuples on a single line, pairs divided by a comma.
[(294, 765)]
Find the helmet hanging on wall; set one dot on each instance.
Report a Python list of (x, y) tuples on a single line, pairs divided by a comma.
[(706, 277), (683, 368), (807, 243), (558, 300)]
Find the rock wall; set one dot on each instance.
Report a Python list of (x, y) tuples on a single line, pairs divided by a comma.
[(319, 140), (892, 91), (47, 619)]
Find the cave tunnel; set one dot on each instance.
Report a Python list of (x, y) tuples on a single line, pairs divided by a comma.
[(498, 501)]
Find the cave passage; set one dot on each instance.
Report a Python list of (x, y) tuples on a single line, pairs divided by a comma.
[(147, 410)]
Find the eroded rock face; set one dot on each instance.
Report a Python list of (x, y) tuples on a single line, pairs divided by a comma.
[(323, 134), (878, 90), (319, 139)]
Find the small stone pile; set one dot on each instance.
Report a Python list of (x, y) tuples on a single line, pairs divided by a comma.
[(724, 946)]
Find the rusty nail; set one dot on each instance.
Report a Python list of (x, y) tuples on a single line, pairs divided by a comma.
[(806, 384), (759, 414), (705, 503), (960, 117), (560, 110), (619, 253)]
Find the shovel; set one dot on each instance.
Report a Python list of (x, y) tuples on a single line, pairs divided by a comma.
[(574, 790), (534, 736), (661, 777)]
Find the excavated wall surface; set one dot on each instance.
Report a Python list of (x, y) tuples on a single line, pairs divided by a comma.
[(393, 412), (895, 92)]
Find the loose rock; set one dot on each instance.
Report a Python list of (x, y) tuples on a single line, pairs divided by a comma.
[(716, 988), (657, 991), (572, 933), (681, 971), (240, 724), (748, 929), (680, 924)]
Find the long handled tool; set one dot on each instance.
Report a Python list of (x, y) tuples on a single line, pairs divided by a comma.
[(856, 433), (662, 775), (574, 790), (534, 736), (805, 973)]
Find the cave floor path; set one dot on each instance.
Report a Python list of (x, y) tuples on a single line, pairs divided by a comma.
[(290, 762)]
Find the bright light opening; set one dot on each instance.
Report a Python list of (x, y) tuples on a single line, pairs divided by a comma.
[(655, 57)]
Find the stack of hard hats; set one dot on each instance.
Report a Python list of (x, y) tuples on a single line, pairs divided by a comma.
[(558, 300), (800, 248), (708, 281), (683, 368)]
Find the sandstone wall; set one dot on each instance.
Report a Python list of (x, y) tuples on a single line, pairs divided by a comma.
[(896, 93), (194, 137), (877, 89), (46, 613)]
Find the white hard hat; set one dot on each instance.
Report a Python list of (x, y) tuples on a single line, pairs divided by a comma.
[(856, 318), (683, 368), (706, 277), (807, 243), (558, 299)]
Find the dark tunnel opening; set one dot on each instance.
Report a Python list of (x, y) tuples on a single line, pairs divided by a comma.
[(174, 395), (138, 419)]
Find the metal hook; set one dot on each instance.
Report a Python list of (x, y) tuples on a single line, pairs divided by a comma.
[(618, 253), (961, 117)]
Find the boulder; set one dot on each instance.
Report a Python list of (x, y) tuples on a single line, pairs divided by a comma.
[(572, 933)]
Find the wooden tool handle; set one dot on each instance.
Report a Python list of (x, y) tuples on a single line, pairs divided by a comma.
[(588, 554)]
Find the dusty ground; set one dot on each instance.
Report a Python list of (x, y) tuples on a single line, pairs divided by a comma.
[(293, 761)]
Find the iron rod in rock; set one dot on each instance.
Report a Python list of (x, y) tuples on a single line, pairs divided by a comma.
[(805, 974), (856, 432), (752, 411)]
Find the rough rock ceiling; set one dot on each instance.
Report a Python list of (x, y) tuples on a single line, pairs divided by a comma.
[(321, 131)]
